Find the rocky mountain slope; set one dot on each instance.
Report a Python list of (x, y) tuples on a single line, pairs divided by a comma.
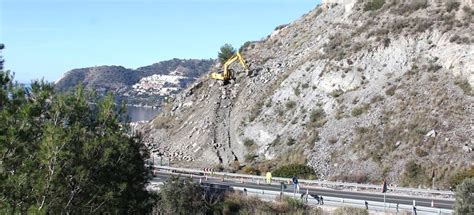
[(358, 90), (147, 85)]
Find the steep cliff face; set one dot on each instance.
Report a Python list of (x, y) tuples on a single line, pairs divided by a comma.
[(358, 94)]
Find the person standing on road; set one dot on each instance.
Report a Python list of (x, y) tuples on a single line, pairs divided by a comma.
[(295, 183), (322, 200), (268, 177)]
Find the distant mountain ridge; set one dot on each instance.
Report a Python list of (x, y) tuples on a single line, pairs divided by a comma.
[(120, 80)]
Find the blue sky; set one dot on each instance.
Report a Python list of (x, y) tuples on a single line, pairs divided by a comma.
[(45, 38)]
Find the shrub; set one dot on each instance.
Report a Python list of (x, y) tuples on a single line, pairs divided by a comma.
[(297, 91), (298, 170), (250, 157), (464, 85), (336, 93), (249, 143), (464, 197), (290, 104), (293, 204), (360, 110), (290, 141), (391, 91), (460, 176), (317, 117), (373, 5), (414, 174), (276, 141), (245, 46), (280, 27), (189, 197), (452, 5), (255, 112), (350, 211), (420, 152), (250, 170)]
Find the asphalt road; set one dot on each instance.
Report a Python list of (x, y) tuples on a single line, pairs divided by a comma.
[(376, 197)]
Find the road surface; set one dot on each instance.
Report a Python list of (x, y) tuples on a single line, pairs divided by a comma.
[(376, 197)]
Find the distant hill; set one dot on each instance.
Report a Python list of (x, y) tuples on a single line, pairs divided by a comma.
[(147, 85)]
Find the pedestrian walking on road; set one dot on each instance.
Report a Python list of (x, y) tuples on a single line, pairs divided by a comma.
[(322, 200), (366, 205)]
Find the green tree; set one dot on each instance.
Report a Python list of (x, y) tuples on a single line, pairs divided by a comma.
[(60, 155), (290, 170), (226, 52), (464, 197), (181, 196)]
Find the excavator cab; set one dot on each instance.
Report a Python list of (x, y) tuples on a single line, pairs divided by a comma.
[(227, 73)]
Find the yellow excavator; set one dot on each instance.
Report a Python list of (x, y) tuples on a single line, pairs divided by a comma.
[(227, 75)]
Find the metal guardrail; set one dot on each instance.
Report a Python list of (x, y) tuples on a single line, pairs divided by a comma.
[(340, 202), (256, 178)]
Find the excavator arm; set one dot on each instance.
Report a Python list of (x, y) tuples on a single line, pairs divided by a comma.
[(227, 74)]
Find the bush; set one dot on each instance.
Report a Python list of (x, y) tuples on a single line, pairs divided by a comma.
[(464, 85), (360, 110), (179, 196), (452, 5), (249, 143), (464, 197), (290, 141), (290, 104), (414, 174), (391, 91), (250, 157), (336, 93), (293, 204), (297, 91), (298, 170), (226, 52), (350, 211), (373, 5), (317, 118), (460, 176), (280, 27), (245, 46), (420, 152)]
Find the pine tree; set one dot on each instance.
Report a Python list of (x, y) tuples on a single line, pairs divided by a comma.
[(59, 154), (225, 53)]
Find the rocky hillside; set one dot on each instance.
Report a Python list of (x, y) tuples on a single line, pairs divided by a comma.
[(359, 91), (147, 85)]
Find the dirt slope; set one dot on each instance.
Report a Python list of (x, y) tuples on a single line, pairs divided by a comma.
[(356, 92)]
